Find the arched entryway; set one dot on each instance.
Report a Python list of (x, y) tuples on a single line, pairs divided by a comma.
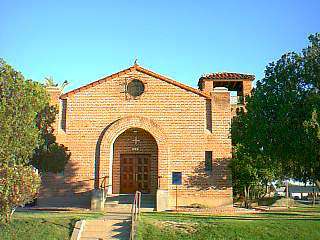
[(105, 149), (135, 162)]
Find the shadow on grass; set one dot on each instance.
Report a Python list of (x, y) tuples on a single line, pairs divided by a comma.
[(70, 226), (36, 213)]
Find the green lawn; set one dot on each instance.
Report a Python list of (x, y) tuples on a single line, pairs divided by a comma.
[(42, 225), (300, 223)]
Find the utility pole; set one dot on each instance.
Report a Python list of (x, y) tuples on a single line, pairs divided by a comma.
[(313, 195), (287, 192), (176, 198)]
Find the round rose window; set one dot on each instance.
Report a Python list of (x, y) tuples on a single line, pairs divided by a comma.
[(135, 88)]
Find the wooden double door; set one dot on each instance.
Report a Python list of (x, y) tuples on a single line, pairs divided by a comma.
[(135, 173)]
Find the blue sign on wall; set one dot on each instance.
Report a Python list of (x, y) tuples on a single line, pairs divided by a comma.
[(176, 178)]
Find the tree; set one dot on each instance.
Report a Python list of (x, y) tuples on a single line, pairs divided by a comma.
[(20, 102), (25, 122), (250, 179), (26, 137), (280, 126), (49, 82)]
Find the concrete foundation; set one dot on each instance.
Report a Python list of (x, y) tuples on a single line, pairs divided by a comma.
[(97, 200), (162, 200)]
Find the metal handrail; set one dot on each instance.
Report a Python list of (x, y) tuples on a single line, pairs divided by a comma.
[(135, 212), (89, 179), (103, 184)]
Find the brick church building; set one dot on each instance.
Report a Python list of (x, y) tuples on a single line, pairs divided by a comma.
[(139, 130)]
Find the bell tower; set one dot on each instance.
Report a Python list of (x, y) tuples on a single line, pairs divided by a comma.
[(239, 85)]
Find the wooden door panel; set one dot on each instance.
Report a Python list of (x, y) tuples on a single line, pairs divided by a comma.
[(143, 173), (135, 173), (127, 183)]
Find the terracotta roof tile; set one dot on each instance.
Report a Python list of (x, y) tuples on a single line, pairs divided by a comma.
[(227, 75)]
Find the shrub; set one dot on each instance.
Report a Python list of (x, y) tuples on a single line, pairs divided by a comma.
[(18, 185)]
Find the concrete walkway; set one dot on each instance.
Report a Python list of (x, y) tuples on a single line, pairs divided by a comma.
[(111, 226)]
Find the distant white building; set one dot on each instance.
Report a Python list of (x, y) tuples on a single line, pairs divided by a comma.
[(297, 191), (302, 191)]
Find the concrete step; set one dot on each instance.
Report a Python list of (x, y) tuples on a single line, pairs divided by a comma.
[(127, 206), (128, 198), (123, 202), (124, 206)]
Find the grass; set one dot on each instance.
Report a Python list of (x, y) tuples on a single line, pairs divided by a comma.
[(43, 225), (299, 223)]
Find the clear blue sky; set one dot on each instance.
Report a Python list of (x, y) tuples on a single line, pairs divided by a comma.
[(81, 41)]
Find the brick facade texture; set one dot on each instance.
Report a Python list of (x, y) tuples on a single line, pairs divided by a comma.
[(176, 126)]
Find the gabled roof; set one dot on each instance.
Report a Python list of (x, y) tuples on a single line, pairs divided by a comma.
[(227, 75), (142, 70)]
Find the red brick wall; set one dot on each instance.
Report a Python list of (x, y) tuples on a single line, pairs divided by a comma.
[(247, 88), (180, 114)]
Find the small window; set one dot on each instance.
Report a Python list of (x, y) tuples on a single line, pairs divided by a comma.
[(63, 122), (208, 161), (135, 88), (176, 178)]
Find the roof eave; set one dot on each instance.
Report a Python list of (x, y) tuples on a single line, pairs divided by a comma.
[(140, 69)]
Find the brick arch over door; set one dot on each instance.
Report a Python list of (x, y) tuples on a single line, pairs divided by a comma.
[(104, 149)]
